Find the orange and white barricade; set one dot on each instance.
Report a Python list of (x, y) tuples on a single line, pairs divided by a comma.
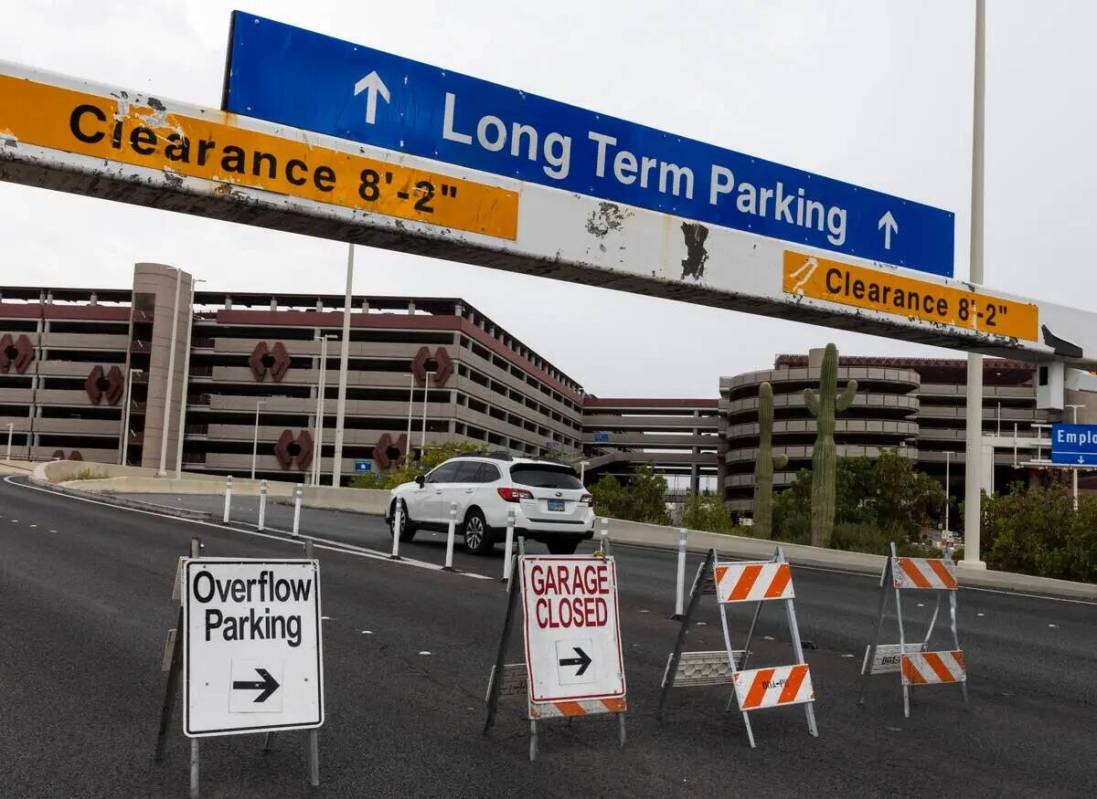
[(915, 663), (753, 689)]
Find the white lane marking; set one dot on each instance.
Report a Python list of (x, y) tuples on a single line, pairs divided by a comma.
[(33, 526), (367, 632), (768, 637), (847, 655), (1053, 625), (325, 618), (980, 614), (424, 652), (328, 546), (53, 531)]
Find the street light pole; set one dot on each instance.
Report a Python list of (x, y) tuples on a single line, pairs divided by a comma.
[(126, 415), (162, 471), (317, 446), (1074, 472), (973, 455), (255, 437), (411, 404), (948, 485), (344, 355), (423, 438), (186, 383)]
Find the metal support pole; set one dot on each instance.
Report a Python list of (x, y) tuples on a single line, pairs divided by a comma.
[(255, 437), (411, 407), (297, 492), (262, 505), (680, 581), (314, 758), (948, 484), (397, 528), (1074, 472), (186, 383), (344, 355), (162, 471), (450, 535), (423, 437), (507, 573), (973, 449), (228, 499)]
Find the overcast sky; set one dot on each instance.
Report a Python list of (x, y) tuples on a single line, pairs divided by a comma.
[(874, 92)]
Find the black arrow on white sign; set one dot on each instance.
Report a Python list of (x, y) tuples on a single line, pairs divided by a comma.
[(583, 661), (268, 685)]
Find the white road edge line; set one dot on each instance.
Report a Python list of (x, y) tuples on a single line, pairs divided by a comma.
[(328, 545)]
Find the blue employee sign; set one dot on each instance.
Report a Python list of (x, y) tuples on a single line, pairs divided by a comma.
[(363, 466), (1074, 444), (296, 77)]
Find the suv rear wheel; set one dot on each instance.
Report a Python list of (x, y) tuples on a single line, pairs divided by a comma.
[(478, 539)]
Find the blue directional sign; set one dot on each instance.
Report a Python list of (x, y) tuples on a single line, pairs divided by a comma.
[(1074, 444), (363, 466), (306, 80)]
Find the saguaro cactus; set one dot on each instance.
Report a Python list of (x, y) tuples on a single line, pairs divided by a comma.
[(823, 407), (765, 464)]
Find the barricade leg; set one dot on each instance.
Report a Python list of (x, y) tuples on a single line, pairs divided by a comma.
[(956, 637), (870, 650), (902, 649), (798, 648), (621, 730), (194, 768)]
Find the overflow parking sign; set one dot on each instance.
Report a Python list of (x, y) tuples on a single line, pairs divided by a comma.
[(572, 632), (252, 659)]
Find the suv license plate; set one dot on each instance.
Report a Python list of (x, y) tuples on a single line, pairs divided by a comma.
[(556, 504)]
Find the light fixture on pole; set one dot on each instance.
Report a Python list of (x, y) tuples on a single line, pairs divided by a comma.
[(344, 355), (423, 438), (127, 414), (255, 437), (162, 471), (186, 382)]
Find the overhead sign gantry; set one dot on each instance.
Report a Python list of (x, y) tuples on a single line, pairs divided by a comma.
[(476, 202)]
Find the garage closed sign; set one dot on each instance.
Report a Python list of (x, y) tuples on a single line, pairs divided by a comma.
[(572, 631)]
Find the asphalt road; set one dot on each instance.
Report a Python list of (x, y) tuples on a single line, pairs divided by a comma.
[(85, 602)]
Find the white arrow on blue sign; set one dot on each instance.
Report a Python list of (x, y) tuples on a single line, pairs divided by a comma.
[(296, 77)]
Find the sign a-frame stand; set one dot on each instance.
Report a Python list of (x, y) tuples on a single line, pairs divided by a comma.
[(513, 679), (916, 664), (173, 666)]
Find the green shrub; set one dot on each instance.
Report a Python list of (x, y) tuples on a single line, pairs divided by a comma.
[(707, 512), (641, 499)]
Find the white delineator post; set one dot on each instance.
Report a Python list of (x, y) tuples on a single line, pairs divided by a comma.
[(397, 526), (344, 355), (11, 426), (162, 471), (509, 545), (680, 577), (262, 504), (603, 536), (451, 533), (973, 454), (297, 492), (228, 500)]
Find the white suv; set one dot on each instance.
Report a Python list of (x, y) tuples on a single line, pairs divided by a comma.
[(548, 500)]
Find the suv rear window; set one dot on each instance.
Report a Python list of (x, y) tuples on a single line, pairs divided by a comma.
[(542, 476)]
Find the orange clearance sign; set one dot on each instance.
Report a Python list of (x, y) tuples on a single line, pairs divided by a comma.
[(877, 290), (146, 134)]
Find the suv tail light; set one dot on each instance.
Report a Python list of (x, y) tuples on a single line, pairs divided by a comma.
[(514, 494), (586, 499)]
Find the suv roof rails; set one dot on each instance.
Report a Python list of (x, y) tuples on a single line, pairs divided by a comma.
[(497, 455)]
